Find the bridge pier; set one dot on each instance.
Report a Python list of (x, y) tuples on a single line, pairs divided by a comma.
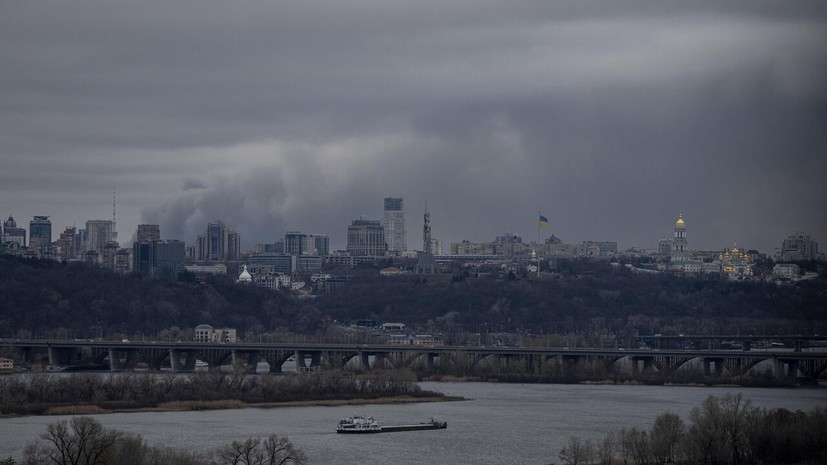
[(245, 360), (785, 368), (62, 356), (130, 359), (429, 362), (315, 360), (713, 366), (276, 358), (178, 364), (647, 362)]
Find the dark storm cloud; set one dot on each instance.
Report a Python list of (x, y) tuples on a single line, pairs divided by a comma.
[(610, 117)]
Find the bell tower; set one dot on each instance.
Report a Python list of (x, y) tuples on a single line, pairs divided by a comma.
[(679, 242)]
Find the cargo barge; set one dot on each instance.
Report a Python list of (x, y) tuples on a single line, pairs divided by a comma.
[(368, 425)]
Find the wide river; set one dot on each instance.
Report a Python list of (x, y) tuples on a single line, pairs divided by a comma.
[(498, 424)]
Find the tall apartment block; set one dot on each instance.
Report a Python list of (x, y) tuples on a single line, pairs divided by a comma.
[(393, 220), (66, 244), (297, 243), (40, 235), (218, 244), (98, 234), (148, 233), (797, 247)]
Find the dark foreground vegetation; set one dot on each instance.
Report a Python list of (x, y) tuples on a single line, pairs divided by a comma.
[(724, 430), (583, 298), (84, 441), (40, 393)]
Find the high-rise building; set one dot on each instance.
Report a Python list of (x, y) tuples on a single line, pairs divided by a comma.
[(110, 252), (148, 233), (142, 258), (679, 242), (216, 242), (200, 248), (123, 261), (98, 234), (167, 259), (393, 221), (797, 247), (366, 238), (66, 244), (233, 246), (80, 242), (322, 242), (159, 259), (40, 235), (297, 243)]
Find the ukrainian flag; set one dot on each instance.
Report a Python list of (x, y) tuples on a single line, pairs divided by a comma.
[(543, 221)]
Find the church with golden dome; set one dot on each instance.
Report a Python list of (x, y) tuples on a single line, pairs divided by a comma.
[(736, 263)]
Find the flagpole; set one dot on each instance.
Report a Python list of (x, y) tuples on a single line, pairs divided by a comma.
[(538, 244)]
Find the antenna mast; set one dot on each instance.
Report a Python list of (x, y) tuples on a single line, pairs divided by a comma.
[(114, 229)]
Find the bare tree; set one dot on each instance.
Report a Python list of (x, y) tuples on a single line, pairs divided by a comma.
[(280, 451), (666, 433), (718, 431), (626, 444), (607, 448), (80, 441), (577, 452), (272, 450)]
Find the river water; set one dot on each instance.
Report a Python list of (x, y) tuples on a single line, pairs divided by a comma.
[(498, 424)]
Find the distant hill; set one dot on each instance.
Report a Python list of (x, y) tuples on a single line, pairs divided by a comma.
[(40, 295), (585, 297)]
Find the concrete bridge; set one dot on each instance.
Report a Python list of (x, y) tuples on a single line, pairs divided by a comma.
[(182, 357)]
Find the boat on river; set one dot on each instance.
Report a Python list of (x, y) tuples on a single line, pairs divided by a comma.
[(367, 425)]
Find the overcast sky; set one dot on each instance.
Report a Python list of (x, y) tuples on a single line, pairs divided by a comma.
[(609, 117)]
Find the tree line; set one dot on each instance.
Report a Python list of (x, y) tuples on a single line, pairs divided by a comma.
[(725, 430), (84, 441), (39, 393), (583, 298)]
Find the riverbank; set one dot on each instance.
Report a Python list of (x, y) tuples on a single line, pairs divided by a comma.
[(190, 406), (739, 381), (43, 394)]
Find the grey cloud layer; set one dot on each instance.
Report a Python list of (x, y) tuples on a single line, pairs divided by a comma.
[(610, 117)]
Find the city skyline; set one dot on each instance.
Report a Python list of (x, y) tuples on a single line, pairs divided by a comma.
[(609, 119), (233, 244)]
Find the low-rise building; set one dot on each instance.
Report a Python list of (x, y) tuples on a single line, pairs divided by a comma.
[(216, 269), (6, 364), (786, 271), (206, 333)]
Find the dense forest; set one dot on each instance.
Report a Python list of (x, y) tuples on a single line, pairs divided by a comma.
[(37, 296)]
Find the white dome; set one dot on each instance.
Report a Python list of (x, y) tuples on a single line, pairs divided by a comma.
[(244, 277)]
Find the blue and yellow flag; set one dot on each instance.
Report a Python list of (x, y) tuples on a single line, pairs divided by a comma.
[(543, 221)]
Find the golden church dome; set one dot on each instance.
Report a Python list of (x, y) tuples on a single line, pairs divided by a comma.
[(680, 223)]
